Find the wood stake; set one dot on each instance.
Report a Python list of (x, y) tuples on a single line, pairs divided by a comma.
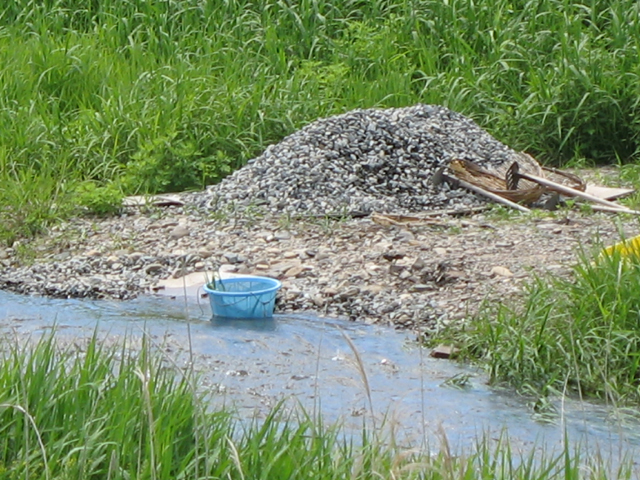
[(575, 193), (492, 196), (620, 209)]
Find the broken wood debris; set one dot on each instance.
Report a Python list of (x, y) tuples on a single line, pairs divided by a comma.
[(492, 196), (444, 351), (508, 191), (388, 219), (152, 200), (572, 191)]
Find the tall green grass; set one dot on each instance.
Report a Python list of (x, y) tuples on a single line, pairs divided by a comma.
[(579, 335), (131, 96), (104, 413)]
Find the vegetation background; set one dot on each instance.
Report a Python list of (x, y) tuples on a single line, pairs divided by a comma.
[(105, 98)]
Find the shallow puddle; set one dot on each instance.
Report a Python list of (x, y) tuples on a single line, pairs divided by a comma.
[(342, 370)]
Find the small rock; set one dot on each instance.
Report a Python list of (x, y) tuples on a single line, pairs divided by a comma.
[(330, 292), (135, 256), (178, 232), (294, 271), (372, 289), (292, 294), (372, 267), (349, 293), (227, 267), (279, 268), (444, 351), (112, 259), (504, 244), (396, 269), (455, 274), (318, 301), (406, 236), (282, 235), (501, 271), (62, 256), (547, 226), (393, 255), (153, 268), (421, 287), (180, 272), (419, 264), (320, 256), (405, 274), (231, 258)]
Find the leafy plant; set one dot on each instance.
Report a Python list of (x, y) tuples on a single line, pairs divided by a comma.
[(99, 200), (167, 96)]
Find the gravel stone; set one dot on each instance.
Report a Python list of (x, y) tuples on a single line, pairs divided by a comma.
[(364, 161)]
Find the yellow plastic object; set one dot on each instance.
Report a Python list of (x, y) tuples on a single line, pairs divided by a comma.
[(625, 248)]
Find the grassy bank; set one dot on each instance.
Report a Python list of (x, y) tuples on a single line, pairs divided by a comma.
[(118, 414), (103, 98), (578, 335)]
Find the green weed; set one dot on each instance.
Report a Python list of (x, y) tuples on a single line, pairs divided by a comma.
[(89, 411), (165, 96), (99, 200), (579, 334)]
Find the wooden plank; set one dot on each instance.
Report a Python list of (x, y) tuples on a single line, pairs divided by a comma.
[(154, 200), (608, 193)]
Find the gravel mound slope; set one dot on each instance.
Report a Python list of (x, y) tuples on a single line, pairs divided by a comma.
[(364, 161)]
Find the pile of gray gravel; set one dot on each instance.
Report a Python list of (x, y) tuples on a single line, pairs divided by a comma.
[(363, 161)]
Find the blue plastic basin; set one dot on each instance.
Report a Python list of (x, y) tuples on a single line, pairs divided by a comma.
[(243, 297)]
